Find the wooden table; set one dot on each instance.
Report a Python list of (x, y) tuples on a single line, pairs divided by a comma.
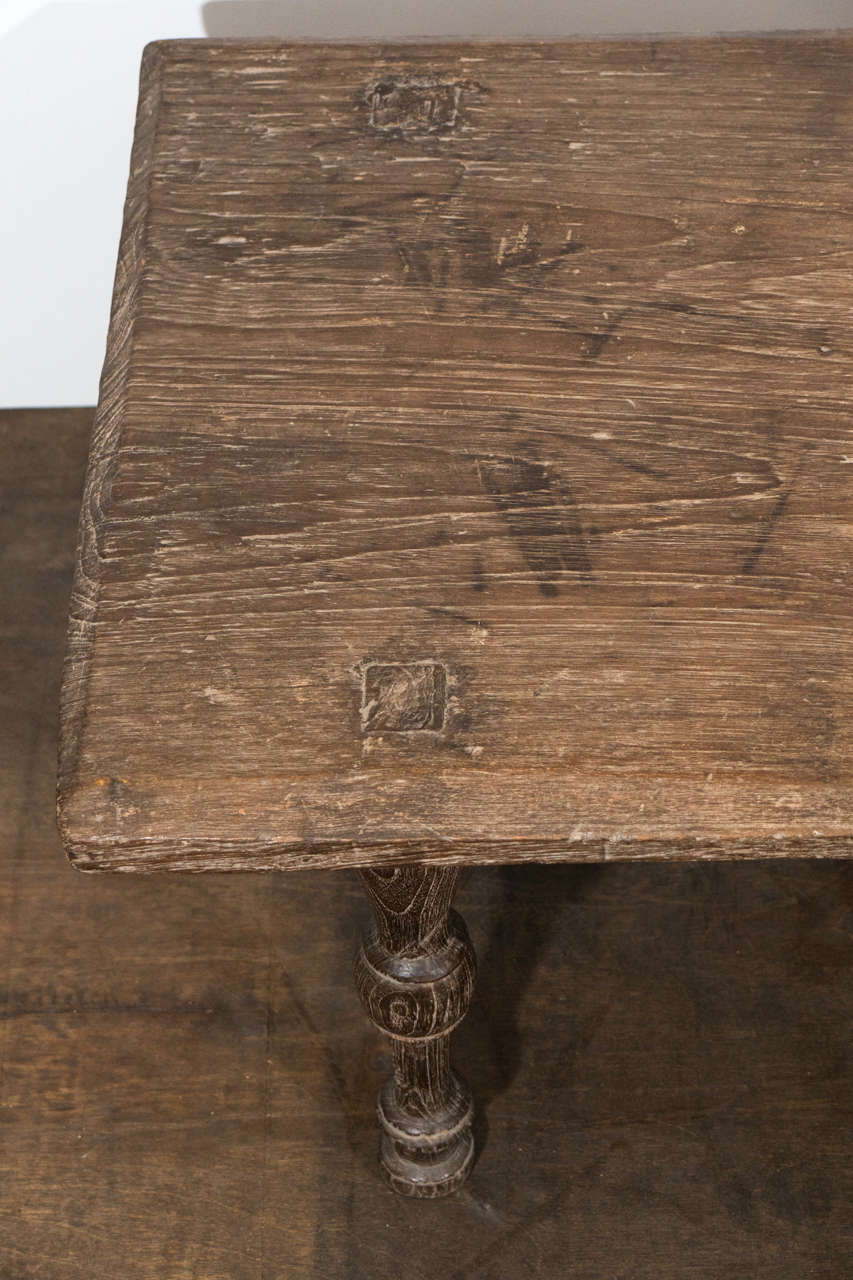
[(472, 482)]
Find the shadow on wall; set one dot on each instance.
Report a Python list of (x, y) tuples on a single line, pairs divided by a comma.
[(543, 19)]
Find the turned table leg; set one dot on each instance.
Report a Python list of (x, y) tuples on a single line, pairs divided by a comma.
[(415, 973)]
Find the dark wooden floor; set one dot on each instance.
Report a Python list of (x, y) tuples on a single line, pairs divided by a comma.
[(658, 1052)]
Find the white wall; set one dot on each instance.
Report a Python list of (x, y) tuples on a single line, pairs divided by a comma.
[(68, 76)]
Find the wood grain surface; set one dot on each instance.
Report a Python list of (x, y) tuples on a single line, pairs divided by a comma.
[(661, 1051), (473, 475)]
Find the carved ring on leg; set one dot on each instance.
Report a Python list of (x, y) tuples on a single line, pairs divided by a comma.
[(415, 975), (427, 1156)]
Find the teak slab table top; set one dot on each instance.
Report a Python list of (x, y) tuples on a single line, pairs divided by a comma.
[(473, 474)]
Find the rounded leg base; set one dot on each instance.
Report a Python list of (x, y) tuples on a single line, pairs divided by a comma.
[(426, 1156), (427, 1174)]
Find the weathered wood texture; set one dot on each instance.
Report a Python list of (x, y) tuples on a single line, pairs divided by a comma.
[(415, 976), (473, 477), (663, 1050)]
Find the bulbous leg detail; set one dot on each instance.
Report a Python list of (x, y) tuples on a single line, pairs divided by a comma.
[(415, 975)]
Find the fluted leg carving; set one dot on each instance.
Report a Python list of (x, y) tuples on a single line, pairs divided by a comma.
[(415, 974)]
